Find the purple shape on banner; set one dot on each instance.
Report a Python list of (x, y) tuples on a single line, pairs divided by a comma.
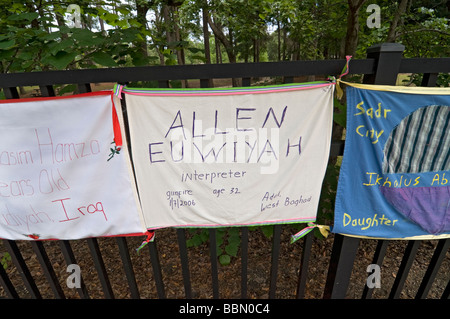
[(429, 207)]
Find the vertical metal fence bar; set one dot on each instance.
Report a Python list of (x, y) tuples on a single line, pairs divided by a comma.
[(244, 261), (21, 266), (46, 265), (69, 257), (181, 236), (246, 81), (288, 79), (47, 90), (429, 79), (11, 93), (303, 272), (84, 87), (433, 268), (128, 266), (274, 262), (100, 267), (388, 57), (163, 84), (405, 266), (7, 284), (214, 266), (341, 265), (378, 257), (446, 293), (205, 83), (157, 274)]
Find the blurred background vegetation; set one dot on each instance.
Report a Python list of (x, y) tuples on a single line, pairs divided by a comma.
[(40, 35)]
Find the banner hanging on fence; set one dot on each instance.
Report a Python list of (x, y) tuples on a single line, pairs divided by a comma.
[(61, 175), (395, 176), (230, 157)]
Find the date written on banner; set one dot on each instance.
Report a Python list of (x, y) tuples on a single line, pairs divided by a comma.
[(177, 198), (184, 198)]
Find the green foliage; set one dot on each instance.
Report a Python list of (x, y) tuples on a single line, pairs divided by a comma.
[(5, 260), (36, 35), (35, 39), (426, 33), (228, 240), (443, 79), (340, 114), (423, 29)]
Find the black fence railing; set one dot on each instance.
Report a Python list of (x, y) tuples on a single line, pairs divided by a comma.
[(171, 271)]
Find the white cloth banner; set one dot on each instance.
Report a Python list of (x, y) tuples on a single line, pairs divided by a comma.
[(230, 157), (59, 178)]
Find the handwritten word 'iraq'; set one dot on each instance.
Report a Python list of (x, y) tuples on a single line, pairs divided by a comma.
[(378, 113)]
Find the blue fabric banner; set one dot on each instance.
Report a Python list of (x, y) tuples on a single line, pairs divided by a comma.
[(395, 176)]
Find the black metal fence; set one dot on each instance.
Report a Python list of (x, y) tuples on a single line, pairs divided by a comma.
[(311, 268)]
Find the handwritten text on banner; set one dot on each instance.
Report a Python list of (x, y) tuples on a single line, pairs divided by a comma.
[(56, 181), (230, 157)]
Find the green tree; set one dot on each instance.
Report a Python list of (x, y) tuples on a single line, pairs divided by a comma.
[(36, 37)]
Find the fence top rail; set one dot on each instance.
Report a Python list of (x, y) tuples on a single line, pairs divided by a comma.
[(423, 65), (209, 71), (185, 72)]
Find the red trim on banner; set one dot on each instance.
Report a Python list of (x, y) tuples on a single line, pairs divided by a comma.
[(49, 98), (116, 125), (36, 237)]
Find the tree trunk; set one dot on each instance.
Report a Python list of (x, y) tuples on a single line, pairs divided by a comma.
[(206, 35), (392, 36), (218, 50), (167, 25), (256, 50), (141, 18), (351, 38), (223, 39), (179, 50), (279, 40), (285, 39)]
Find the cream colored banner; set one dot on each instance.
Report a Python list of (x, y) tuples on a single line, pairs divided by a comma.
[(230, 157)]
